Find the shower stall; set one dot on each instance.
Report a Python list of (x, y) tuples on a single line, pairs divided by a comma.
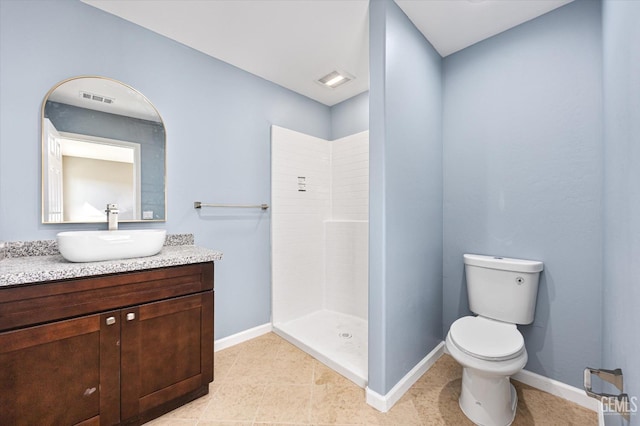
[(319, 247)]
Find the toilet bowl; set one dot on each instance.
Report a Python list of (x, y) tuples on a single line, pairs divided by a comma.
[(502, 293), (490, 352)]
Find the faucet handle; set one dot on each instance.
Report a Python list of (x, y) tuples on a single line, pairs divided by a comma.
[(112, 208), (112, 216)]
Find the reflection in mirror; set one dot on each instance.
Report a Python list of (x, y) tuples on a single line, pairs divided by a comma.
[(103, 143)]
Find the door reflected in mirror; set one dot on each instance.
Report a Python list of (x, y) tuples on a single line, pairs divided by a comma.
[(103, 143)]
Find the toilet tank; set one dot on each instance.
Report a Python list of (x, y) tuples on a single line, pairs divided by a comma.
[(502, 288)]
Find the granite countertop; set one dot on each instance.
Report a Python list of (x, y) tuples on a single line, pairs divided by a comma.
[(25, 268)]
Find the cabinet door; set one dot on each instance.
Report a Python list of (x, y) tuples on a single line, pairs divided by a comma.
[(52, 374), (166, 355)]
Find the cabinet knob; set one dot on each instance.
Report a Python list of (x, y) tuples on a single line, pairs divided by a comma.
[(131, 316), (111, 320)]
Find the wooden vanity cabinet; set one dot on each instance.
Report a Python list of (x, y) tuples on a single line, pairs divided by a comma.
[(163, 355), (51, 374), (108, 350)]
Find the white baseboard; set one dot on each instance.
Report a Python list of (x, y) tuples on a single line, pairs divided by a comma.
[(243, 336), (559, 389), (600, 415), (384, 403)]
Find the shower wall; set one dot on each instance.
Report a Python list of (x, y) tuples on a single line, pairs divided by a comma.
[(347, 267), (350, 177), (347, 232), (297, 217), (319, 197)]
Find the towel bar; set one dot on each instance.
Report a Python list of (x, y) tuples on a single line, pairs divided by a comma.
[(198, 205)]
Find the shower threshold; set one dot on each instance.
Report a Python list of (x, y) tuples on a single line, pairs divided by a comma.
[(337, 340)]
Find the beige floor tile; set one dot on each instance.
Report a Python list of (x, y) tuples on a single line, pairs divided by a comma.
[(213, 388), (537, 407), (231, 351), (292, 368), (323, 375), (280, 424), (331, 404), (250, 371), (402, 413), (439, 405), (288, 347), (223, 361), (255, 361), (285, 404), (286, 366), (265, 347), (435, 394), (193, 410), (442, 372), (167, 421), (269, 382), (234, 402)]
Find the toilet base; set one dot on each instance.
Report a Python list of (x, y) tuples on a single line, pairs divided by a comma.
[(487, 400)]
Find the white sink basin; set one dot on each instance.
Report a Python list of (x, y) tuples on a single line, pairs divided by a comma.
[(95, 246)]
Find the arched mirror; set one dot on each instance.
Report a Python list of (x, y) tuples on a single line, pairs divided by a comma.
[(103, 143)]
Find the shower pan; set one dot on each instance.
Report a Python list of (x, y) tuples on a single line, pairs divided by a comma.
[(319, 247)]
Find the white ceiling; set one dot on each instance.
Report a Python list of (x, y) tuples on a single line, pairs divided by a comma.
[(452, 25), (295, 42)]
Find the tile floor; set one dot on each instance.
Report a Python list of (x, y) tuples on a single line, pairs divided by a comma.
[(268, 381)]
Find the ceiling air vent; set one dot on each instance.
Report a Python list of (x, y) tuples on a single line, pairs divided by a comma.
[(335, 79), (96, 98)]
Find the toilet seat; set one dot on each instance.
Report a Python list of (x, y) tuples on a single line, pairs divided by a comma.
[(487, 339)]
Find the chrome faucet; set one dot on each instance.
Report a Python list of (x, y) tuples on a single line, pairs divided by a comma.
[(112, 216)]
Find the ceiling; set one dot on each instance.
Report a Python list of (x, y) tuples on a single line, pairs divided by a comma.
[(452, 25), (293, 43)]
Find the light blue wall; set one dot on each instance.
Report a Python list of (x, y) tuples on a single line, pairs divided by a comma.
[(350, 117), (621, 289), (218, 142), (405, 270), (523, 176)]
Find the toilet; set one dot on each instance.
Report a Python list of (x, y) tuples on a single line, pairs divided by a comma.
[(502, 293)]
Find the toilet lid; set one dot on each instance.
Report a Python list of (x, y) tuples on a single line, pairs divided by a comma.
[(486, 338)]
